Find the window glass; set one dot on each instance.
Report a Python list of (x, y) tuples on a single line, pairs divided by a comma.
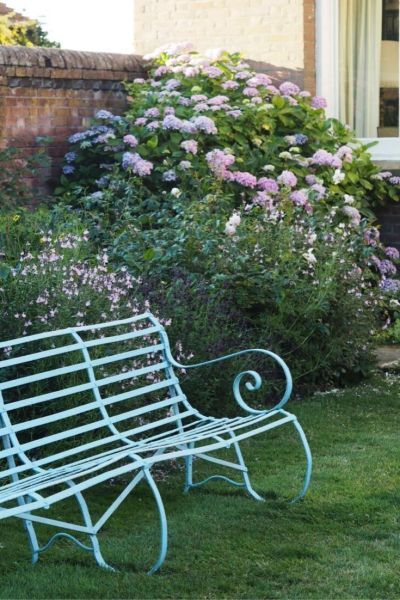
[(369, 66)]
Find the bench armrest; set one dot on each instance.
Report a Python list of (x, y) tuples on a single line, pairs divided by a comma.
[(255, 381)]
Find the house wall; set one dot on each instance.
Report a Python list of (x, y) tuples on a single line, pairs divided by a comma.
[(278, 35), (52, 92)]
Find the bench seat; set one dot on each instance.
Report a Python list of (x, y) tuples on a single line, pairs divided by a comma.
[(124, 412)]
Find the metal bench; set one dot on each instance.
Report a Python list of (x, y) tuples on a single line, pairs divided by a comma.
[(84, 405)]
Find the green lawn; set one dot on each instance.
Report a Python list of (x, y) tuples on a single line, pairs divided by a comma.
[(342, 541)]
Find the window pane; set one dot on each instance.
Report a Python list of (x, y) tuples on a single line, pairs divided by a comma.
[(389, 77), (369, 66)]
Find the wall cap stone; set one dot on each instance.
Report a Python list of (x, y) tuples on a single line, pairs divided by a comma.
[(55, 58)]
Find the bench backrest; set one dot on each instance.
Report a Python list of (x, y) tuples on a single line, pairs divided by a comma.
[(85, 389)]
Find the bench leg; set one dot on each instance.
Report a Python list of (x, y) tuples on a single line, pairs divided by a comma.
[(246, 478), (33, 542), (307, 451), (163, 522), (93, 537)]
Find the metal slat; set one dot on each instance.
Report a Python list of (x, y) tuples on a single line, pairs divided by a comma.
[(76, 346), (95, 405), (83, 387)]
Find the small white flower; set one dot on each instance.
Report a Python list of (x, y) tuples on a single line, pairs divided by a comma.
[(234, 219), (338, 176), (176, 192), (230, 229), (310, 257), (348, 199)]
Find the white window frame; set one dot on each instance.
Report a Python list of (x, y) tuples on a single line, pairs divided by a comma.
[(387, 150)]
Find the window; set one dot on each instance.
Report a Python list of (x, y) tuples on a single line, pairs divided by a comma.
[(358, 68)]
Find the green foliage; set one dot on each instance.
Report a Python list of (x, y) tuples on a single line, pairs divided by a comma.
[(245, 209), (15, 172)]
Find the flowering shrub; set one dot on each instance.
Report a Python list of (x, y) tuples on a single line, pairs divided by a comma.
[(248, 191), (59, 287)]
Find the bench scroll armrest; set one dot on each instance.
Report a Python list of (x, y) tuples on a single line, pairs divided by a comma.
[(254, 381)]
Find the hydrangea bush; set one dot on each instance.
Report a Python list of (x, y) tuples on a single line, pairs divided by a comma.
[(219, 178)]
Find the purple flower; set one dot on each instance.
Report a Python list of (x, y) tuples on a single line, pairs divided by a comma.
[(392, 253), (345, 153), (212, 72), (199, 98), (104, 114), (320, 189), (230, 85), (68, 169), (172, 84), (243, 75), (139, 80), (70, 157), (390, 285), (169, 175), (250, 92), (386, 267), (153, 125), (219, 161), (204, 124), (311, 179), (371, 236), (235, 113), (266, 184), (131, 140), (394, 180), (287, 88), (136, 163), (287, 178), (319, 102), (189, 146), (299, 197), (160, 71), (218, 100), (301, 139), (140, 121), (201, 106), (152, 112), (172, 122), (184, 165), (184, 101), (78, 137), (243, 178), (323, 157)]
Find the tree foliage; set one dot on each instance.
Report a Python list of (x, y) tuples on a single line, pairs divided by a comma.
[(16, 30)]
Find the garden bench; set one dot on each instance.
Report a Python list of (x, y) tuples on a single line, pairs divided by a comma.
[(84, 405)]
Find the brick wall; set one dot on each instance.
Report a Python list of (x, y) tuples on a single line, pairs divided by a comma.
[(51, 92), (278, 34)]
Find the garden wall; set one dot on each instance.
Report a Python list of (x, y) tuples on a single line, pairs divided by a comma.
[(52, 92)]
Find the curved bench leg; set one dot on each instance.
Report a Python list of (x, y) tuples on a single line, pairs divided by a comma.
[(246, 478), (163, 522), (307, 451), (88, 522)]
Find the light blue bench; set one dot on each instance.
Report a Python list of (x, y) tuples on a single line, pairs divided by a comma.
[(84, 405)]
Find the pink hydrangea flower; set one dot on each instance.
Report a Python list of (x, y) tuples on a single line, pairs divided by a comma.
[(287, 178), (190, 146), (319, 102), (131, 140)]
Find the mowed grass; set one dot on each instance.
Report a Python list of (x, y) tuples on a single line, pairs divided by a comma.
[(342, 541)]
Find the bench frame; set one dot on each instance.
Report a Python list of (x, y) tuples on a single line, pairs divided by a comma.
[(185, 450)]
